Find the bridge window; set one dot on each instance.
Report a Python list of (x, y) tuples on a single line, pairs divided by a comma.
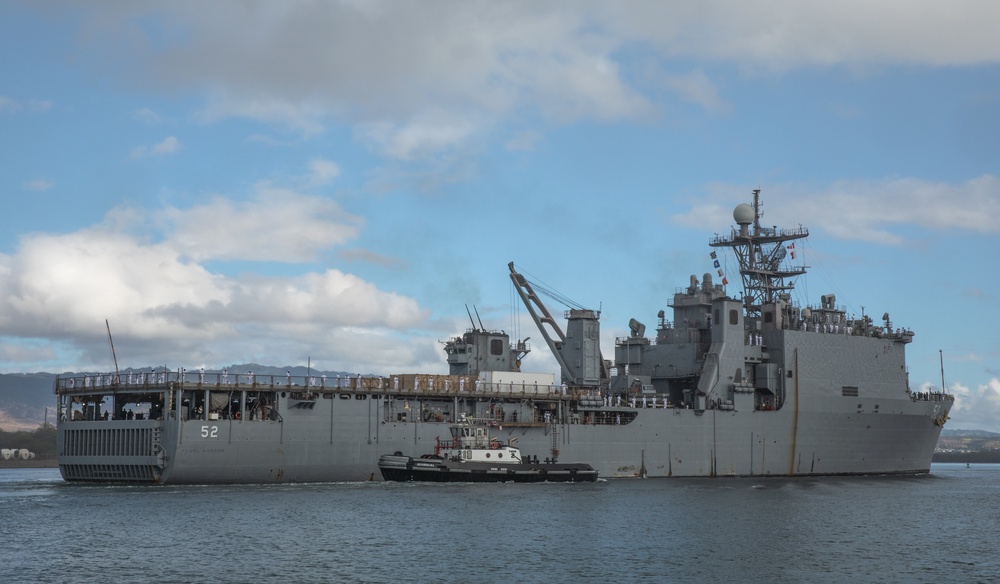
[(496, 347), (734, 317)]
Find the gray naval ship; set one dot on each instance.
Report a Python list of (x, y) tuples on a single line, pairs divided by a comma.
[(749, 386)]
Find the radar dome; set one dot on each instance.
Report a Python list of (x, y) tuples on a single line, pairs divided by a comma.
[(743, 214)]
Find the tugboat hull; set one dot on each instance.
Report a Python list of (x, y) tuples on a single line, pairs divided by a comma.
[(406, 468)]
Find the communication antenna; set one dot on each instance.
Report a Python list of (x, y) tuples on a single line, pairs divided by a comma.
[(112, 343), (473, 320), (944, 388), (470, 317), (481, 327)]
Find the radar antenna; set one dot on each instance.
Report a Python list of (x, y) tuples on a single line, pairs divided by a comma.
[(760, 253)]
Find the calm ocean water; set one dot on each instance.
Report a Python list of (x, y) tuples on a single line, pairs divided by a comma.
[(944, 527)]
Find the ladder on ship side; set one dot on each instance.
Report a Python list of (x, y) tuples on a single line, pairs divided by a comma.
[(554, 432)]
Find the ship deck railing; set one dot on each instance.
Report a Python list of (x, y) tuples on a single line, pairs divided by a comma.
[(311, 386), (930, 396)]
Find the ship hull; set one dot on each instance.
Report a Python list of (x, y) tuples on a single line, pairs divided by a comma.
[(342, 439)]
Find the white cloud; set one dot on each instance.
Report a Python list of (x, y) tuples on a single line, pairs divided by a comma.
[(865, 210), (454, 72), (364, 255), (165, 305), (783, 34), (297, 62), (419, 80), (305, 117), (31, 353), (524, 141), (277, 224), (322, 172), (974, 409), (300, 64), (418, 138), (39, 184), (169, 145), (697, 88)]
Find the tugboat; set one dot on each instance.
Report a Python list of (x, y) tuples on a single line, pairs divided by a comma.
[(473, 456)]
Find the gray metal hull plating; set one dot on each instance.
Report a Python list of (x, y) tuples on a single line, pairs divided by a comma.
[(341, 440)]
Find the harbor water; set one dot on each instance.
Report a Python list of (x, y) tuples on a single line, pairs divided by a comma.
[(942, 527)]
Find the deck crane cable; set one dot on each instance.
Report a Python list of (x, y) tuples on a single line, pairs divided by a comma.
[(550, 292)]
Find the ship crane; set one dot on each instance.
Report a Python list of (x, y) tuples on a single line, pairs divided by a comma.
[(586, 372)]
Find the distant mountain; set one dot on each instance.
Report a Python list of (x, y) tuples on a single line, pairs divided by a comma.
[(25, 396), (958, 433), (23, 399), (956, 442)]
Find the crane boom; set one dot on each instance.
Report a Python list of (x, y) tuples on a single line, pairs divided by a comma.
[(543, 320), (589, 367)]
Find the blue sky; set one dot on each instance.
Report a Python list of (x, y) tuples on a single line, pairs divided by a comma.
[(335, 181)]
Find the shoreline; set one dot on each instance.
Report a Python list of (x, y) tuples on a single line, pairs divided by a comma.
[(44, 463)]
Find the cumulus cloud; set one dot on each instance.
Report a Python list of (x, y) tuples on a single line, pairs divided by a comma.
[(165, 303), (276, 224), (865, 210), (169, 145), (975, 408)]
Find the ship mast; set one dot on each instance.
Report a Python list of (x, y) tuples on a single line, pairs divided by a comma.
[(760, 253)]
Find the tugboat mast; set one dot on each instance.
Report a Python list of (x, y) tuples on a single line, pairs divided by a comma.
[(760, 253)]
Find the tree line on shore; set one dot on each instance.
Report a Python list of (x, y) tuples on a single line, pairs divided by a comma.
[(41, 441)]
